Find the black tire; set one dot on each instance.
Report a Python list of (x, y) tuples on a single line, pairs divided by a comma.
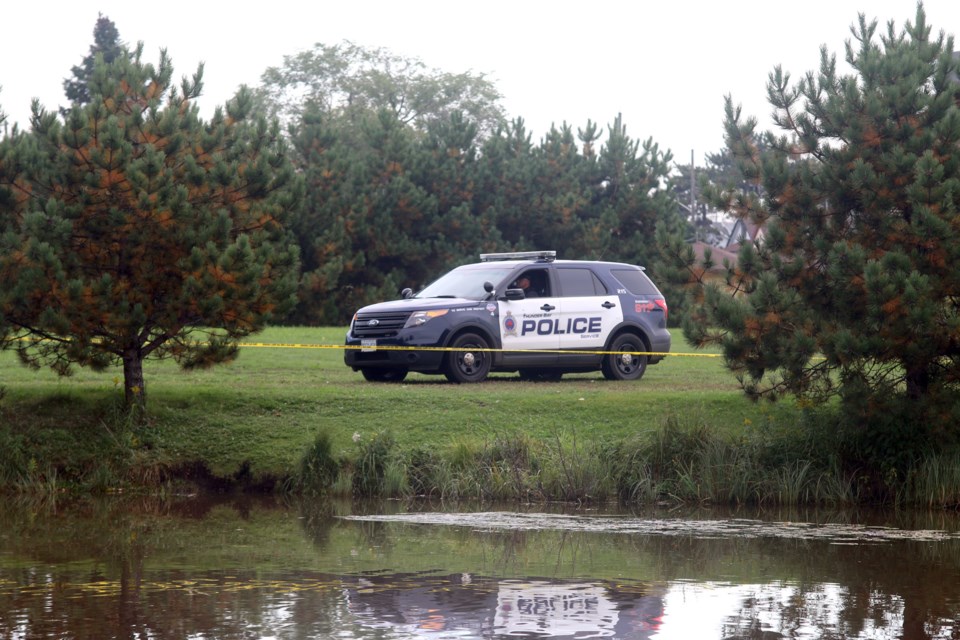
[(540, 375), (376, 374), (469, 362), (624, 367)]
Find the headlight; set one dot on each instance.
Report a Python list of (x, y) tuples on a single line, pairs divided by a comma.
[(422, 317)]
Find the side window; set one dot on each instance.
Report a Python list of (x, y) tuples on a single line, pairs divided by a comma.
[(575, 283), (534, 282)]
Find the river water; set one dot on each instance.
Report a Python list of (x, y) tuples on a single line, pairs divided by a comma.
[(260, 568)]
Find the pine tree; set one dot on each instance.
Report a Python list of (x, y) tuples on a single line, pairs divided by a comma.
[(108, 46), (320, 226), (135, 229), (447, 169), (563, 196), (368, 225), (631, 197), (853, 293), (507, 177)]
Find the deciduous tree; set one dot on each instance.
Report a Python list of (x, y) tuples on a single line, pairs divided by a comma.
[(351, 80)]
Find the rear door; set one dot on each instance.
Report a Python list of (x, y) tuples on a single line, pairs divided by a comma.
[(588, 313)]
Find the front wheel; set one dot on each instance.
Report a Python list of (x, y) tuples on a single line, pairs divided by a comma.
[(376, 374), (625, 366), (469, 361)]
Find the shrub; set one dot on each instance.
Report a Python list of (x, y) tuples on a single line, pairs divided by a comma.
[(318, 467), (374, 460)]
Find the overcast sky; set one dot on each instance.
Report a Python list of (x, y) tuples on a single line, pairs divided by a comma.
[(665, 66)]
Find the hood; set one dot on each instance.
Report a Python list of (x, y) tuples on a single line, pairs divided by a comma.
[(419, 304)]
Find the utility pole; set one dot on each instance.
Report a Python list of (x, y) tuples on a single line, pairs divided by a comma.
[(693, 195), (693, 187)]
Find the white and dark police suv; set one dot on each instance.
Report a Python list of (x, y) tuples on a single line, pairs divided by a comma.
[(478, 318)]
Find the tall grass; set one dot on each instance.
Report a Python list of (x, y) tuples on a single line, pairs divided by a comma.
[(936, 482), (318, 468), (678, 463), (575, 472), (681, 463)]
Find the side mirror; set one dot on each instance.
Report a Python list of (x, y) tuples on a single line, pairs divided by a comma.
[(514, 294), (407, 293)]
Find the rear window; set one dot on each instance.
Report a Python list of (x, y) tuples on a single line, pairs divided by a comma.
[(636, 282)]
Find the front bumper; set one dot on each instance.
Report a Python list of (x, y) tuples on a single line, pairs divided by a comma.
[(393, 353)]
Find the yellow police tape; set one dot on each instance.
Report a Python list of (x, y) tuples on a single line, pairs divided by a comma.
[(286, 345), (294, 345)]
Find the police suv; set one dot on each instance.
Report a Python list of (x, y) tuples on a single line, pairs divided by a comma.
[(573, 316)]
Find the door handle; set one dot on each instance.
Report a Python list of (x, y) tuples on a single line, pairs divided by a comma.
[(547, 307), (608, 305)]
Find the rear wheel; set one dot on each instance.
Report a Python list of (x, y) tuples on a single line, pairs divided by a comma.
[(375, 374), (469, 361), (625, 366), (540, 375)]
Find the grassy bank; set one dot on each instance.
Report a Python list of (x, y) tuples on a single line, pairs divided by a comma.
[(298, 419)]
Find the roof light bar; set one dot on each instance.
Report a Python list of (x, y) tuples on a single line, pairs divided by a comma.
[(548, 256)]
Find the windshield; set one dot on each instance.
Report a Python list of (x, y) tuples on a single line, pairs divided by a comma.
[(464, 282)]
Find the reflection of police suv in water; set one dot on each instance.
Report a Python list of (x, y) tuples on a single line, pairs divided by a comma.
[(483, 319)]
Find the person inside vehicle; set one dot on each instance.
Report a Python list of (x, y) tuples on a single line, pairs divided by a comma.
[(523, 282)]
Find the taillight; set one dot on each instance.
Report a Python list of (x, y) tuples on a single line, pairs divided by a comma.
[(663, 305)]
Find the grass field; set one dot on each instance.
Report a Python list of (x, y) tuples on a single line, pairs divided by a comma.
[(290, 415), (268, 405)]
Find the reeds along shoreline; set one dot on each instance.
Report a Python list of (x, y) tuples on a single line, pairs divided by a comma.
[(677, 465)]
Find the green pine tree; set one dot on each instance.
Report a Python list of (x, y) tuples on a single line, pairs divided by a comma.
[(563, 195), (106, 45), (447, 169), (631, 197), (853, 292), (367, 227), (506, 184), (135, 229)]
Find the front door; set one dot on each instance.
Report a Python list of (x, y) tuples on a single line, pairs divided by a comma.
[(528, 327)]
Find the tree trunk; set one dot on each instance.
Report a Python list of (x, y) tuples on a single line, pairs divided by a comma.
[(918, 381), (133, 385)]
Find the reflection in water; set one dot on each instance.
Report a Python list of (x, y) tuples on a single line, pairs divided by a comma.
[(247, 569), (465, 605)]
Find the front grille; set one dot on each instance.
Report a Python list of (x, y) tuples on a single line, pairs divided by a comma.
[(379, 325)]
